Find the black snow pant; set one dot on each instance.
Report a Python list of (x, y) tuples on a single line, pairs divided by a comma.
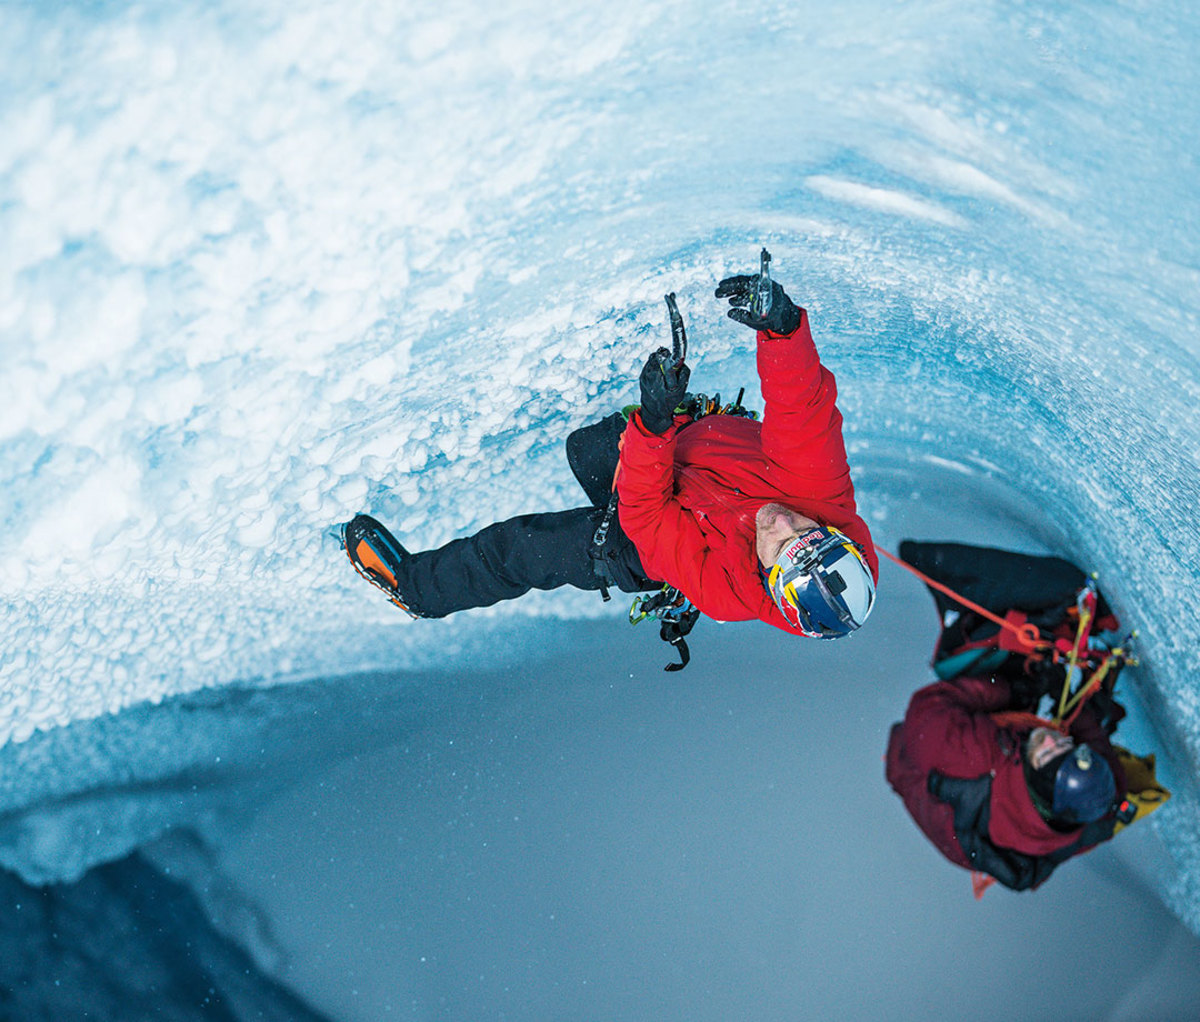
[(999, 580), (536, 551)]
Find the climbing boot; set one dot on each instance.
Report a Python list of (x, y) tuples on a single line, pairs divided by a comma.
[(377, 557)]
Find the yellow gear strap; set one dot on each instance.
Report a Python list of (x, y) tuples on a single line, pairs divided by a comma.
[(1072, 671), (1142, 788)]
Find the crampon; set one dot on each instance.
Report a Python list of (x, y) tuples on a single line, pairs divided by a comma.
[(376, 556)]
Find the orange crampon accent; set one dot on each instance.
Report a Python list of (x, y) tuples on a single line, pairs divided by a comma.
[(366, 559), (372, 550)]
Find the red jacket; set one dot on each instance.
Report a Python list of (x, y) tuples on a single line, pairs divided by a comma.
[(688, 498), (949, 729)]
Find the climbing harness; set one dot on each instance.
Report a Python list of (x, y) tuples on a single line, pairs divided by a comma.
[(596, 550), (1090, 661)]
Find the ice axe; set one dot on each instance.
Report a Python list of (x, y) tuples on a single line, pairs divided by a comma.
[(761, 303), (678, 334), (678, 353)]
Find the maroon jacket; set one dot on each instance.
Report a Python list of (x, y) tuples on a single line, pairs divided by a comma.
[(689, 497), (961, 777)]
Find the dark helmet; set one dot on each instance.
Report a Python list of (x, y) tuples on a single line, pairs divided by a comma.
[(1084, 787), (1074, 788)]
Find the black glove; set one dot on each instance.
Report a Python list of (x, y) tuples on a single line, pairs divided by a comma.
[(783, 318), (664, 385)]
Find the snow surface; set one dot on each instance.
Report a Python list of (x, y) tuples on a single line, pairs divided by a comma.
[(265, 265), (593, 838)]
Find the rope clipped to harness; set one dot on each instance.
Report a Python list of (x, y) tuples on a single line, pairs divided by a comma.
[(1090, 663), (1025, 635), (676, 616)]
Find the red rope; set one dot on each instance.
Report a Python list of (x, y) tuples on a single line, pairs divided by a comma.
[(1027, 635), (1030, 638), (1023, 720)]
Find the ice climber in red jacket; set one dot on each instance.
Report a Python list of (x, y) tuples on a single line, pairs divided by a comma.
[(745, 519)]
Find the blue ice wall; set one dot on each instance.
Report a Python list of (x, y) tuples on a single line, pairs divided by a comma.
[(265, 266)]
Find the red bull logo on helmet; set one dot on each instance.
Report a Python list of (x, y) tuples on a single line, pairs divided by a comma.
[(821, 584), (802, 543)]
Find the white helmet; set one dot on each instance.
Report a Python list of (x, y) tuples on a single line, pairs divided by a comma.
[(822, 584)]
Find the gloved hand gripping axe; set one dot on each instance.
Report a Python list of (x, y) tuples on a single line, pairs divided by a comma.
[(665, 376)]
